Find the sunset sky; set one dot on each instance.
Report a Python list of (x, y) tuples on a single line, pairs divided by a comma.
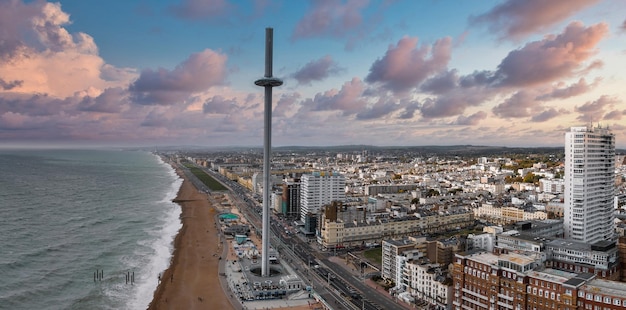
[(386, 73)]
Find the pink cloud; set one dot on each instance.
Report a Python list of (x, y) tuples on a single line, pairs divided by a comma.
[(219, 105), (286, 105), (383, 106), (473, 119), (330, 18), (454, 102), (593, 111), (112, 100), (516, 19), (200, 9), (197, 73), (521, 104), (547, 115), (441, 83), (316, 70), (38, 51), (614, 115), (14, 121), (348, 99), (572, 90), (405, 65), (551, 58)]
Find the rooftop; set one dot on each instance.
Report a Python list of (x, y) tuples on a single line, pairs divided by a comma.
[(552, 275), (612, 288)]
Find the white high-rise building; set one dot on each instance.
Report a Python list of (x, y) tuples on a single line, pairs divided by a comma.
[(318, 189), (589, 184)]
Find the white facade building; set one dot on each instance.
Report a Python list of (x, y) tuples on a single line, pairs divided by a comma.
[(429, 282), (589, 184), (318, 189)]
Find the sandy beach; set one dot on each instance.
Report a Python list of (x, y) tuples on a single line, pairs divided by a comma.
[(191, 281)]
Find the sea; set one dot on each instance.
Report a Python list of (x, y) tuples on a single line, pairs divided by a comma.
[(84, 229)]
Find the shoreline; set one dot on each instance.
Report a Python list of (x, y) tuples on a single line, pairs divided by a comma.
[(191, 279)]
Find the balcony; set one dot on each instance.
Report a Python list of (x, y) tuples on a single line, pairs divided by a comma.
[(476, 302), (474, 294), (503, 304)]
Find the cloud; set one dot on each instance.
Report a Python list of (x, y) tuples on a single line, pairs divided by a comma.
[(37, 50), (615, 115), (409, 109), (330, 18), (13, 121), (472, 120), (112, 100), (592, 111), (404, 66), (382, 107), (521, 104), (575, 89), (219, 105), (10, 85), (197, 73), (200, 9), (286, 105), (547, 115), (537, 63), (516, 19), (552, 58), (441, 83), (37, 104), (316, 70), (454, 102), (348, 99)]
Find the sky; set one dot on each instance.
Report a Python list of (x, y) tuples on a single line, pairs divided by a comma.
[(375, 72)]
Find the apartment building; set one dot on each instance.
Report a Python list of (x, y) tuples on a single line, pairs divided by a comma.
[(337, 232), (513, 281), (318, 189), (589, 184)]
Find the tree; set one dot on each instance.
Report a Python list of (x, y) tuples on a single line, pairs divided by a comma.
[(432, 192)]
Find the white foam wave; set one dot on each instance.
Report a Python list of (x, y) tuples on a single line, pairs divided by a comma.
[(160, 248)]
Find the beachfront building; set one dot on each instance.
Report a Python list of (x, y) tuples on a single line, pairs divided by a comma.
[(485, 280), (600, 258), (318, 189), (428, 282), (602, 294), (395, 253), (342, 229), (589, 184), (508, 214)]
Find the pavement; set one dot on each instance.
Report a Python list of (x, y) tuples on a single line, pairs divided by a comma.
[(237, 280)]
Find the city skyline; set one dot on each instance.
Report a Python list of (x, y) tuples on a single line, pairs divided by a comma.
[(386, 73)]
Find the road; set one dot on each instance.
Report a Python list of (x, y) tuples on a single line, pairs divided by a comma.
[(340, 288)]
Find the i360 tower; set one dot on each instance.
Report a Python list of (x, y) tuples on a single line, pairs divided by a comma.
[(589, 184), (268, 81)]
